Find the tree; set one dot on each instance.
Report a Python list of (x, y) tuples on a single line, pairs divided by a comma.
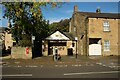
[(28, 19), (63, 25)]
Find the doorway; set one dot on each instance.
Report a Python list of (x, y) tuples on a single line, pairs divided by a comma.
[(37, 49), (95, 46)]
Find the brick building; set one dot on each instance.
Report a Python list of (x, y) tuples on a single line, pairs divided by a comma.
[(96, 32)]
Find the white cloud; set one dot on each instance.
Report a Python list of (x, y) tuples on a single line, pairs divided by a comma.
[(51, 20)]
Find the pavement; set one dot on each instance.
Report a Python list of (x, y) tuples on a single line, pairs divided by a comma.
[(67, 67), (49, 60), (111, 61)]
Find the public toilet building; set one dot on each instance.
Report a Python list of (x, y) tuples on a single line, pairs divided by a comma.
[(62, 43)]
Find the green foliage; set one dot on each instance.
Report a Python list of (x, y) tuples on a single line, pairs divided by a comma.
[(63, 25), (25, 10), (28, 19), (25, 43)]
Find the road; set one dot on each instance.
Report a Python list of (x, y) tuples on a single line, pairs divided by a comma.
[(59, 70)]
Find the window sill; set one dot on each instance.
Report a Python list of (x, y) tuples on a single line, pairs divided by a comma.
[(106, 31), (106, 50)]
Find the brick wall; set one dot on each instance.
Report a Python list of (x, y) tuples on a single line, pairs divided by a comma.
[(96, 31)]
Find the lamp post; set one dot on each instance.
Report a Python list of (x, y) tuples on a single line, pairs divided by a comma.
[(76, 46), (33, 38)]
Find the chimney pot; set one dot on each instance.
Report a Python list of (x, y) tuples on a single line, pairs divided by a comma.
[(98, 10)]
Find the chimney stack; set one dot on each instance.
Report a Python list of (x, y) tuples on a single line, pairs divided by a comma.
[(75, 8), (98, 10)]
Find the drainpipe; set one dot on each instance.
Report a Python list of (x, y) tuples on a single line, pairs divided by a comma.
[(86, 35)]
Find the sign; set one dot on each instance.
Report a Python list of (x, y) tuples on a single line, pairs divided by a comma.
[(76, 38), (33, 37)]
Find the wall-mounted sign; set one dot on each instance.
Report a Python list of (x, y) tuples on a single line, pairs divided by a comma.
[(76, 38), (33, 37)]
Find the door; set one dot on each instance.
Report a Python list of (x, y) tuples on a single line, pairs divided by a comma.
[(70, 51), (37, 49), (94, 49)]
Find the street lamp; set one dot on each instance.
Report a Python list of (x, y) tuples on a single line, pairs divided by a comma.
[(76, 38), (33, 38)]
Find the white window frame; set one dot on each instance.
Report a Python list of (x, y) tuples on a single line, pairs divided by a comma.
[(106, 45), (74, 29), (106, 26)]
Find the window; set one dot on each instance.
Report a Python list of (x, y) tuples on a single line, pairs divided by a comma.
[(106, 26), (73, 44), (106, 45), (74, 29)]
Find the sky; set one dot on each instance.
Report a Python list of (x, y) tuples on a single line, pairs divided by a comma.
[(66, 9)]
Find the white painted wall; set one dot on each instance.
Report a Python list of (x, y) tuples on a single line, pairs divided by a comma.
[(57, 36)]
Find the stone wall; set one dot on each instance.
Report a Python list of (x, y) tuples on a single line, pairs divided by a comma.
[(20, 53), (8, 40), (79, 22), (96, 31), (93, 28), (62, 50), (118, 37)]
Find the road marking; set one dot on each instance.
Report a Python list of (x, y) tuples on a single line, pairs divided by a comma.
[(104, 65), (91, 73), (31, 66), (99, 63), (17, 62), (77, 65), (18, 66), (17, 75), (60, 65)]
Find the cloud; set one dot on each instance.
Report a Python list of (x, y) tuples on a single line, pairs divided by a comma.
[(51, 20)]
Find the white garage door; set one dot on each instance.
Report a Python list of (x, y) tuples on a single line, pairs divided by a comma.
[(95, 49)]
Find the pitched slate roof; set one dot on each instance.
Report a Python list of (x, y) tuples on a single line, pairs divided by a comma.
[(69, 35), (100, 15)]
